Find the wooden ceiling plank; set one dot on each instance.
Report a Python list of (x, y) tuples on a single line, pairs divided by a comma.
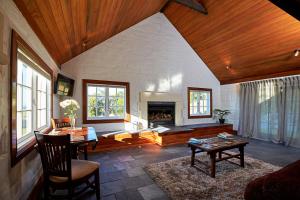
[(114, 18), (68, 28), (83, 23), (65, 7), (227, 26), (93, 8), (28, 9), (133, 12), (75, 19), (107, 11), (255, 37), (46, 14), (124, 15), (58, 16)]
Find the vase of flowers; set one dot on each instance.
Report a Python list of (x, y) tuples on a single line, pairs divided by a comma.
[(70, 107)]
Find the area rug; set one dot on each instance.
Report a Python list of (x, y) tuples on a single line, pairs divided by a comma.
[(182, 182)]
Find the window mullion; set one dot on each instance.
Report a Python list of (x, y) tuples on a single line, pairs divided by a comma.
[(198, 103), (106, 101), (47, 103), (34, 102), (96, 106)]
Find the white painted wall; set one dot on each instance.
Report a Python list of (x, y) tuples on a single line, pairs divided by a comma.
[(230, 101), (17, 182), (152, 56)]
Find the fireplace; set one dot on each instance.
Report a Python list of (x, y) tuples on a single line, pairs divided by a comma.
[(161, 113)]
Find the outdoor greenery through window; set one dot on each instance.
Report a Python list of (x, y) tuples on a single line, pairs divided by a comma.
[(33, 98), (199, 102), (106, 102)]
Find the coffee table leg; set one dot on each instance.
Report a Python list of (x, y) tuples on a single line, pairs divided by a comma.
[(242, 156), (193, 156), (220, 154), (213, 165)]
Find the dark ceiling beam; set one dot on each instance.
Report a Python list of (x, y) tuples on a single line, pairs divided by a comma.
[(193, 4)]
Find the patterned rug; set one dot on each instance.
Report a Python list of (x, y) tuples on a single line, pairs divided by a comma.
[(182, 182)]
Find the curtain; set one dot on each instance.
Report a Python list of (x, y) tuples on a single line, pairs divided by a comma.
[(270, 110)]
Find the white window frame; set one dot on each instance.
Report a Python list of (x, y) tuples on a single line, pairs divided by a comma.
[(206, 103), (106, 104), (36, 71)]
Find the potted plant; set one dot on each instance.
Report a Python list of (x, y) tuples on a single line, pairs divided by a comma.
[(220, 114), (70, 106)]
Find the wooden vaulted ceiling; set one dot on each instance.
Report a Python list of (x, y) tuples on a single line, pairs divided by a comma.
[(255, 38), (70, 27)]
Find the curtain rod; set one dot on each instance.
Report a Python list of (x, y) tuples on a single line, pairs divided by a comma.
[(298, 75)]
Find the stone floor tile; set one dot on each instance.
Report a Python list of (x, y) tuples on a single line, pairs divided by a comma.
[(137, 171), (151, 192), (111, 187), (111, 176), (131, 194), (110, 197), (137, 181), (125, 158)]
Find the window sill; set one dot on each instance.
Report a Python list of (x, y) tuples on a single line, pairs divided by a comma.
[(199, 116), (19, 154)]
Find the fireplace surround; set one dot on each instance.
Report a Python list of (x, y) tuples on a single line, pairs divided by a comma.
[(161, 113), (145, 97)]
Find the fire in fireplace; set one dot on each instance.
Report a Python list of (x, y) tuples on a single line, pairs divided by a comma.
[(161, 113)]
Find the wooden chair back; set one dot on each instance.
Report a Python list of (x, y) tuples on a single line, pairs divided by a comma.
[(61, 123), (55, 154)]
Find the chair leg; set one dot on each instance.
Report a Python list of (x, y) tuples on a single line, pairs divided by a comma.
[(70, 192), (85, 153), (46, 190), (97, 184)]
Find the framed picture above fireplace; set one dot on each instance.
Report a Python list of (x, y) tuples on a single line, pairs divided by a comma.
[(199, 102)]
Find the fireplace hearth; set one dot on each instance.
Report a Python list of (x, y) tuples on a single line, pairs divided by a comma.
[(161, 113)]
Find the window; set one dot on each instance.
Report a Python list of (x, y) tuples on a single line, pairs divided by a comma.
[(31, 98), (199, 103), (105, 101)]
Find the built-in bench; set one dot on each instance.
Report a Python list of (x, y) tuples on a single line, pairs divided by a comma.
[(181, 134), (162, 136)]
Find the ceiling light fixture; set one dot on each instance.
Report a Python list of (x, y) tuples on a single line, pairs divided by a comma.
[(84, 44), (296, 52)]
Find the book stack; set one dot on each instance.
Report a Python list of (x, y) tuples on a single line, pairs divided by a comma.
[(197, 141), (225, 135)]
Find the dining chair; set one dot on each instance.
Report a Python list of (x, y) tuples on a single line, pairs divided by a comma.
[(63, 173), (65, 123)]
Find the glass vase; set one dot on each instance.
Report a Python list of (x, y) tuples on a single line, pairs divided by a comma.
[(72, 122)]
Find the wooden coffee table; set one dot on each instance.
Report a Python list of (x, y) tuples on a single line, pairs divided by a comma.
[(214, 146)]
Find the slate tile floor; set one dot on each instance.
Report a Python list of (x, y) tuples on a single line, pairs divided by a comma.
[(123, 177)]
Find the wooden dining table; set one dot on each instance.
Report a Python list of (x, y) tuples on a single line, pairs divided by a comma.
[(79, 136)]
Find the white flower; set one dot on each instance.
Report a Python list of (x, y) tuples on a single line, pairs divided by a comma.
[(69, 102), (70, 106)]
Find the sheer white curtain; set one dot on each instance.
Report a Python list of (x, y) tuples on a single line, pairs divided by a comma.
[(291, 112), (270, 110)]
